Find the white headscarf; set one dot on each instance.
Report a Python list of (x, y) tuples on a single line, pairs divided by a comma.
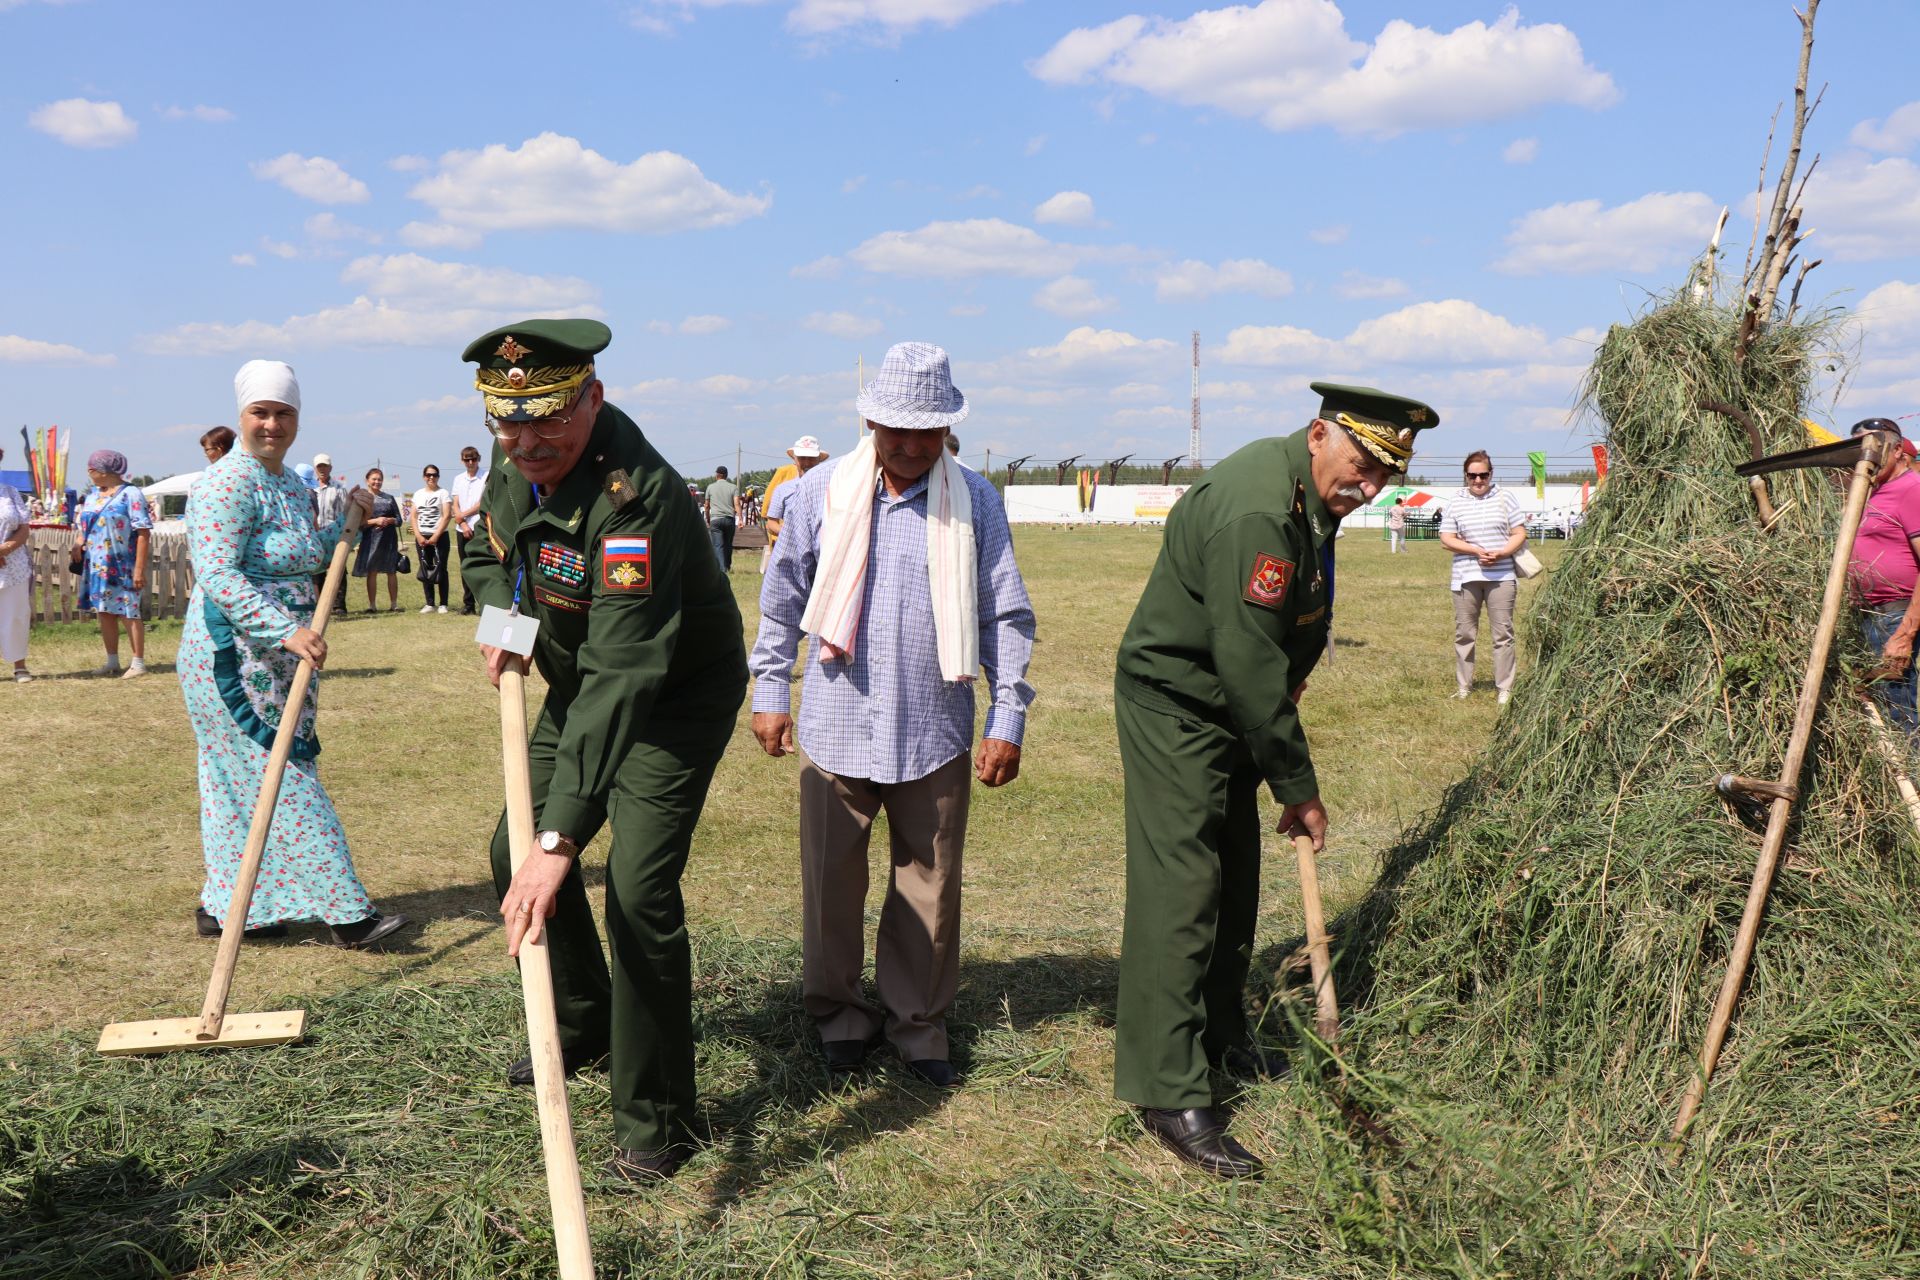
[(266, 380)]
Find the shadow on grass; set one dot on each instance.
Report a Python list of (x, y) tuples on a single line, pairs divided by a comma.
[(773, 1122), (118, 1218)]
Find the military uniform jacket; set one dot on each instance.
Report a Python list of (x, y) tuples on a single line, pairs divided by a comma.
[(1236, 610), (637, 619)]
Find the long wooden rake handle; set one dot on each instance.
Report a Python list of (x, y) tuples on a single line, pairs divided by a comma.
[(1319, 957), (564, 1194), (214, 1011), (1742, 954)]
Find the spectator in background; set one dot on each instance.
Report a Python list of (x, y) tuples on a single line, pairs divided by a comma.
[(329, 501), (217, 444), (380, 543), (468, 489), (806, 454), (16, 581), (116, 543), (723, 512), (1885, 576), (432, 517), (1483, 527), (1397, 527)]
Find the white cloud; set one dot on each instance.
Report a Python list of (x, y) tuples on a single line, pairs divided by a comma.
[(313, 178), (1277, 344), (438, 235), (841, 324), (1087, 345), (891, 17), (17, 350), (1229, 391), (1451, 332), (244, 260), (1355, 284), (1291, 65), (280, 248), (1138, 391), (1897, 133), (975, 247), (204, 114), (1654, 231), (702, 326), (1521, 151), (1862, 209), (1072, 297), (1890, 315), (853, 184), (1068, 208), (827, 268), (1337, 233), (979, 191), (409, 300), (81, 122), (552, 181), (328, 226), (725, 384), (1191, 280), (1035, 144)]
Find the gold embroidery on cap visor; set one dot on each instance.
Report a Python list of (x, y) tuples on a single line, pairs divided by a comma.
[(1391, 447), (541, 399)]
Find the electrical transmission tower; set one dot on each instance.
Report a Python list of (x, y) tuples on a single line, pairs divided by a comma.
[(1193, 435)]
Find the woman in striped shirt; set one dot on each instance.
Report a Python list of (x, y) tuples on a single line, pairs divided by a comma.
[(1483, 527)]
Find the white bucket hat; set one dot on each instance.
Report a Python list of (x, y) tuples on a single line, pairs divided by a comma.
[(806, 447), (913, 391)]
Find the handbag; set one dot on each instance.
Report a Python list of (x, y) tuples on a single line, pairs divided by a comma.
[(405, 562), (1527, 564)]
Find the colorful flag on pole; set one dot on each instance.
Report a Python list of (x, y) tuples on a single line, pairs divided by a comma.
[(1539, 461), (1600, 461)]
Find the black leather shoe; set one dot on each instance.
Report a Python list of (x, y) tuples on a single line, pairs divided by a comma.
[(1197, 1136), (572, 1062), (362, 934), (1250, 1062), (640, 1166), (937, 1072), (207, 927), (844, 1056)]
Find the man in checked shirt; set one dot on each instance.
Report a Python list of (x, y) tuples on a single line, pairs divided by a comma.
[(874, 569)]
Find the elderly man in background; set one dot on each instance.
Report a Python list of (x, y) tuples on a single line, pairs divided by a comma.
[(899, 566), (1885, 575), (1207, 692), (329, 504), (1485, 528)]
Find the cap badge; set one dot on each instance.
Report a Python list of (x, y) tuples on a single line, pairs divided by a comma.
[(511, 350), (1413, 415), (516, 376)]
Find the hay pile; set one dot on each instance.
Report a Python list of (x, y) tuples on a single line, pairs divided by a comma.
[(1536, 968)]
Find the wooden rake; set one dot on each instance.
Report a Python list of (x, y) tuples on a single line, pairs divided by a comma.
[(564, 1195), (213, 1029), (1319, 956)]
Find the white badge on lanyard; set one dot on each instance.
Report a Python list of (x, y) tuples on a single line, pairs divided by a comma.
[(504, 629)]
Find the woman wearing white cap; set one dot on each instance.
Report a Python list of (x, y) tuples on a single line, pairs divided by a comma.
[(255, 546)]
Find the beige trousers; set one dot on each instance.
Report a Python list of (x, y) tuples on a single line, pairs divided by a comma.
[(1497, 597), (917, 949)]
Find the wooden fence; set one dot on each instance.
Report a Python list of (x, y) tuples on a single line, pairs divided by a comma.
[(56, 590)]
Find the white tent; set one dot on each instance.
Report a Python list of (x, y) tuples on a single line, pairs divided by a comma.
[(172, 486)]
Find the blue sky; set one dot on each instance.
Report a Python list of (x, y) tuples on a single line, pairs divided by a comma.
[(1451, 200)]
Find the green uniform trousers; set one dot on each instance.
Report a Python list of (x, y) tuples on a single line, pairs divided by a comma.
[(641, 1013), (1193, 892)]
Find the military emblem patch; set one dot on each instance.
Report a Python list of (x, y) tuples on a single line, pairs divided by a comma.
[(626, 564), (562, 564), (1267, 584)]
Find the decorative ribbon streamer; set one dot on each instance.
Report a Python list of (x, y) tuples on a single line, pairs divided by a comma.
[(1600, 462), (1539, 461)]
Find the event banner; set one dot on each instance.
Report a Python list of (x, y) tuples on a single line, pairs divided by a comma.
[(1153, 501)]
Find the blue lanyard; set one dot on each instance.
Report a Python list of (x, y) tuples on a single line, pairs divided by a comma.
[(520, 566)]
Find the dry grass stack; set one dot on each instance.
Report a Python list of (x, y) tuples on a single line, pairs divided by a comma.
[(1540, 958)]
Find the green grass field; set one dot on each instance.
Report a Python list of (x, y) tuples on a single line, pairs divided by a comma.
[(387, 1144)]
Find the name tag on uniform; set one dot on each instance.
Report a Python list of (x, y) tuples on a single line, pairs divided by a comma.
[(504, 629)]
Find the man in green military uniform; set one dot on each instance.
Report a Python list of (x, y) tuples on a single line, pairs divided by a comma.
[(586, 528), (1210, 672)]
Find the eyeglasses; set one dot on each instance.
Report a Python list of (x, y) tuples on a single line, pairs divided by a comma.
[(1479, 475), (431, 475), (544, 428)]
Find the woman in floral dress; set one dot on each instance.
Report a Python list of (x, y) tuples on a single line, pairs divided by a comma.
[(116, 542), (250, 530)]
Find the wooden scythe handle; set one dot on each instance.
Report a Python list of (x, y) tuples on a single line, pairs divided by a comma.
[(1327, 1016), (214, 1011), (564, 1195)]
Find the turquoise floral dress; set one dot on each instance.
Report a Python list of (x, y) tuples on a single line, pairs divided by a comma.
[(108, 525), (255, 550)]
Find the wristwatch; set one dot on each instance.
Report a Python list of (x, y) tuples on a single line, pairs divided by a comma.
[(554, 842)]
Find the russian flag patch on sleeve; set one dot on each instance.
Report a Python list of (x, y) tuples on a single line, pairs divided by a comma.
[(626, 564)]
